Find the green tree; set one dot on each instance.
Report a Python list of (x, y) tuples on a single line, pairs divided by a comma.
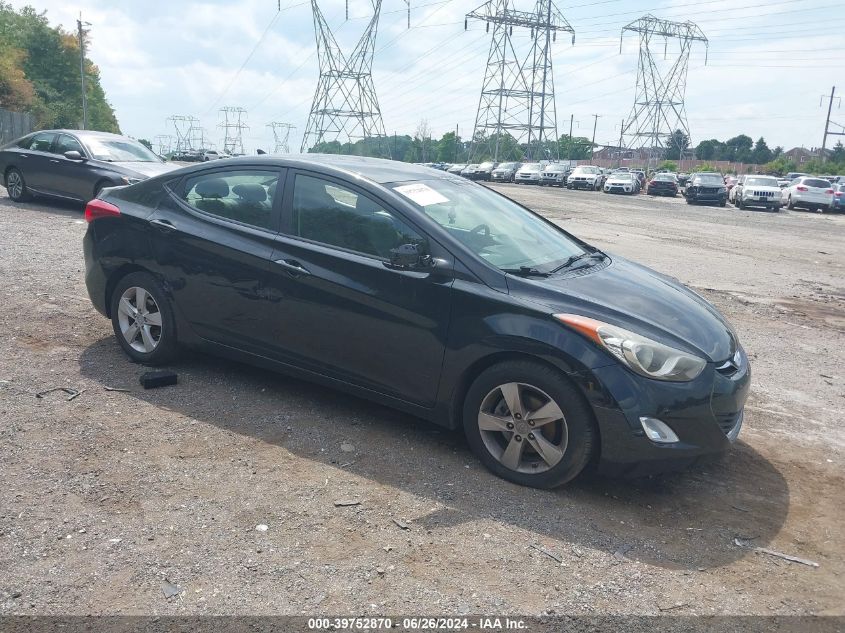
[(145, 143), (576, 148), (677, 144), (738, 149), (838, 153), (706, 150), (50, 63), (668, 165), (761, 154)]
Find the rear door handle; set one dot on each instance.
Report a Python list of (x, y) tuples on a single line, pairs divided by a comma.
[(164, 225), (292, 266), (53, 160)]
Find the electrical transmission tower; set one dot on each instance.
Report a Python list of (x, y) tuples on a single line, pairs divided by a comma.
[(659, 107), (517, 105), (233, 125), (186, 132), (281, 136), (345, 108), (165, 144)]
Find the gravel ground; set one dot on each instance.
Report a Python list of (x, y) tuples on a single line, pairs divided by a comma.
[(149, 502)]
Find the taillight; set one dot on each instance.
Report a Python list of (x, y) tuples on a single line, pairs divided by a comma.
[(100, 209), (801, 188), (838, 194), (829, 191)]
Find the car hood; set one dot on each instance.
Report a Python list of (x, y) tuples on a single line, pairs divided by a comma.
[(763, 188), (626, 294), (584, 173), (619, 181), (141, 169)]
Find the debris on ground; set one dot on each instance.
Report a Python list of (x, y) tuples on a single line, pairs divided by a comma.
[(347, 502), (107, 388), (623, 549), (347, 448), (169, 589), (261, 527), (402, 524), (159, 378), (73, 393), (543, 550), (764, 550)]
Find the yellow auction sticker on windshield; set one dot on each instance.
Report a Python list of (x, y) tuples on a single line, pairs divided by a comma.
[(422, 194)]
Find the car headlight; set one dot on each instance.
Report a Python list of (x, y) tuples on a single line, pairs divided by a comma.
[(642, 355)]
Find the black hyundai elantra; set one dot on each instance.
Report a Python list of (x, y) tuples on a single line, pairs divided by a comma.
[(428, 293)]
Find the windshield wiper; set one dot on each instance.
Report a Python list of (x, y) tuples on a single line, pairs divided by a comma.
[(596, 254), (525, 271)]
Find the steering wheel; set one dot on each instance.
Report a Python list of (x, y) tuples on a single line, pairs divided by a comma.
[(481, 228)]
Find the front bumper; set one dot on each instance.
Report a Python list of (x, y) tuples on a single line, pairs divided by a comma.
[(581, 184), (551, 180), (619, 188), (501, 177), (706, 414), (761, 201), (527, 179)]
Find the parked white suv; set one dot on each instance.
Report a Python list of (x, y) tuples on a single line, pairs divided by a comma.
[(757, 191), (808, 192), (584, 177)]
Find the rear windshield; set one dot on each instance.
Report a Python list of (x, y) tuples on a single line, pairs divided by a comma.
[(815, 182), (664, 177), (708, 179), (761, 182)]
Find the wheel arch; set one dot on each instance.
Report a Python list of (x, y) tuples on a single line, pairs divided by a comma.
[(114, 278), (482, 364)]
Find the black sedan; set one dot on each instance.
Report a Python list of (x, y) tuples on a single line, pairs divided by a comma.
[(664, 184), (426, 292), (74, 164), (707, 188)]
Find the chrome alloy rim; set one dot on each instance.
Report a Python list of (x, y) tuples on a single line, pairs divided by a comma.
[(523, 428), (15, 185), (140, 319)]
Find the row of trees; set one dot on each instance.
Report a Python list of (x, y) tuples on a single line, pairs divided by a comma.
[(39, 73), (739, 149)]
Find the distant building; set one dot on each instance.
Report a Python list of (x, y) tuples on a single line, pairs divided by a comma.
[(801, 155)]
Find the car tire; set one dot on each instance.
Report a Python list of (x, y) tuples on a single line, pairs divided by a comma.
[(150, 338), (568, 441), (723, 202), (16, 186), (789, 204)]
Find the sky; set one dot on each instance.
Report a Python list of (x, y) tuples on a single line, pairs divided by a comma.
[(768, 64)]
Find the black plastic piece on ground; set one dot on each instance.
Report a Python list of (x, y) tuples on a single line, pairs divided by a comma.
[(152, 379)]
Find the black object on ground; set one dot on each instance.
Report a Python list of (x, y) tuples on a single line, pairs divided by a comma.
[(152, 379)]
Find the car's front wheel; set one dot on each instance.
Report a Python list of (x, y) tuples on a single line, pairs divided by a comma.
[(143, 319), (16, 186), (528, 424)]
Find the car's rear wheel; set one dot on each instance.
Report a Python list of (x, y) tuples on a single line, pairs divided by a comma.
[(16, 186), (528, 424), (143, 320), (789, 204)]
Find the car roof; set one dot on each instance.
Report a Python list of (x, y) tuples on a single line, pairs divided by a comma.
[(85, 133), (378, 170)]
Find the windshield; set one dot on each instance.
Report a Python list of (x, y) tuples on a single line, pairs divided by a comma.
[(487, 165), (761, 182), (708, 179), (119, 150), (490, 225), (531, 167), (622, 176), (587, 170), (507, 166)]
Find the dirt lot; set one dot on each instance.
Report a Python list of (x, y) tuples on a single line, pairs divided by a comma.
[(114, 501)]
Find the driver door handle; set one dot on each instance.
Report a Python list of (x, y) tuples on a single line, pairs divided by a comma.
[(164, 225), (292, 266)]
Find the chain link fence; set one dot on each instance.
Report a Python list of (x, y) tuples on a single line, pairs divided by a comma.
[(14, 125)]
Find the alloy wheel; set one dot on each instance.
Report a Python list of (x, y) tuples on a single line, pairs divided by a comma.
[(523, 428), (140, 319), (14, 184)]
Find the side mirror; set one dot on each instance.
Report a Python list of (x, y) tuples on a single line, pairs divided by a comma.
[(74, 155), (408, 256)]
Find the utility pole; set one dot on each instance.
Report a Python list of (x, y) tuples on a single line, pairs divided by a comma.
[(81, 35), (593, 144), (827, 131), (571, 119), (456, 143), (621, 129)]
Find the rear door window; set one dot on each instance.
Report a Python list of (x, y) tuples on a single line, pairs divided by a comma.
[(42, 142), (243, 195)]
